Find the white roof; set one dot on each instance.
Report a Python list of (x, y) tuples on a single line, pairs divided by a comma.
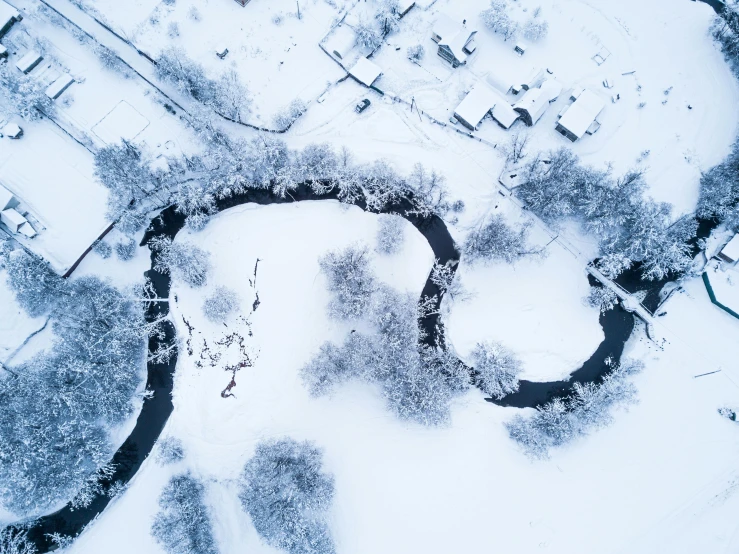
[(405, 5), (365, 71), (476, 104), (3, 50), (7, 13), (536, 100), (446, 28), (504, 113), (27, 230), (12, 130), (28, 61), (731, 250), (12, 219), (6, 198), (582, 113), (56, 88)]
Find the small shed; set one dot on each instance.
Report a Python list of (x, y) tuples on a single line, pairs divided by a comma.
[(13, 131), (580, 117), (12, 219), (365, 71), (535, 101), (62, 83), (8, 17), (7, 200), (28, 62), (730, 252)]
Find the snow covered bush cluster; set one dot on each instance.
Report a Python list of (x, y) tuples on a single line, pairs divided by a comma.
[(389, 234), (535, 28), (170, 451), (184, 261), (418, 381), (289, 114), (219, 305), (22, 95), (602, 298), (719, 191), (125, 249), (415, 53), (56, 408), (287, 494), (497, 19), (227, 96), (588, 407), (496, 369), (183, 523), (496, 240), (631, 228), (350, 280)]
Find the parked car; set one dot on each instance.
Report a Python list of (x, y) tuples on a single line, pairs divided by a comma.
[(363, 105)]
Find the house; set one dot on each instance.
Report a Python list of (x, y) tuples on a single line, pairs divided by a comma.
[(365, 71), (7, 200), (480, 102), (8, 17), (580, 117), (341, 42), (62, 83), (28, 62), (12, 219), (730, 252), (456, 42), (535, 101)]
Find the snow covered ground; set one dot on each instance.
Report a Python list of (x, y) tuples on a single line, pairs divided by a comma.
[(660, 479)]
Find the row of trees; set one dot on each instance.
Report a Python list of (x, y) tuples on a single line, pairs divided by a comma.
[(57, 408), (497, 18), (725, 30), (631, 228), (588, 407), (719, 191)]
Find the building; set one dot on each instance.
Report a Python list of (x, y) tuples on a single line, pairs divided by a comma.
[(365, 71), (456, 41), (12, 219), (730, 252), (580, 117), (9, 16), (481, 101), (57, 88), (28, 62), (535, 101)]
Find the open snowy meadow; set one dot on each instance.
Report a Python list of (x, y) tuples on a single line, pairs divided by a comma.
[(351, 277)]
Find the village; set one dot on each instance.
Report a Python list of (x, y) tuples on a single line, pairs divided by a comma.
[(480, 97)]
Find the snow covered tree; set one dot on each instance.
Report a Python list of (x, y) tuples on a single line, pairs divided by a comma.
[(170, 451), (34, 284), (270, 162), (535, 29), (496, 19), (126, 249), (719, 189), (23, 95), (15, 541), (381, 185), (496, 368), (495, 240), (389, 234), (415, 53), (429, 191), (387, 16), (516, 148), (219, 305), (183, 523), (102, 249), (289, 114), (188, 76), (285, 491), (318, 164), (350, 280), (183, 261), (369, 34), (602, 297)]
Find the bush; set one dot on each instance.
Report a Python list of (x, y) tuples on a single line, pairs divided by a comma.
[(350, 280), (170, 451), (289, 114), (197, 221), (416, 53), (496, 19), (389, 234), (126, 249), (218, 306), (495, 240), (497, 369), (102, 249), (183, 261), (587, 407), (285, 491), (602, 298), (183, 523)]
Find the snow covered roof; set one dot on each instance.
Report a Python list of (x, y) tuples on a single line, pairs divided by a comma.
[(481, 100), (405, 5), (731, 250), (12, 130), (445, 28), (578, 118), (8, 16), (536, 100), (61, 84), (341, 41), (453, 35), (27, 230), (29, 61), (12, 219), (7, 200), (365, 71)]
